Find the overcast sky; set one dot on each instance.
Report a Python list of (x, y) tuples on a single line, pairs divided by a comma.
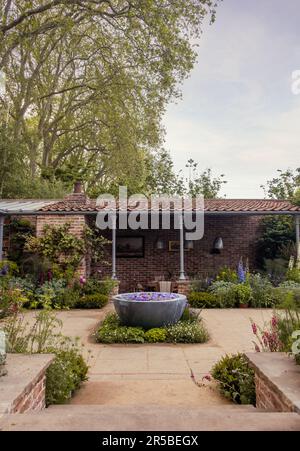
[(238, 114)]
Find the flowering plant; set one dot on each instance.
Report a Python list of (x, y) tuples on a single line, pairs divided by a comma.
[(155, 296), (268, 336)]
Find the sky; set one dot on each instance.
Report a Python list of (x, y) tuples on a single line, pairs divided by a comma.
[(239, 115)]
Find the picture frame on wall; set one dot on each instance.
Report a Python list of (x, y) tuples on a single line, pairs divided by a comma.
[(130, 247), (174, 246)]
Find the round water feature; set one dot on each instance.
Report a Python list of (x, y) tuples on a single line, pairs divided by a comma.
[(149, 310)]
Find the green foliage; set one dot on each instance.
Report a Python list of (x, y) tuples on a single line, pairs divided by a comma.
[(185, 332), (103, 127), (92, 301), (63, 249), (104, 286), (17, 230), (236, 379), (201, 285), (68, 298), (189, 330), (121, 334), (8, 268), (277, 231), (227, 275), (95, 244), (190, 316), (284, 186), (204, 300), (262, 291), (68, 369), (156, 335), (224, 292), (293, 275), (11, 301), (203, 182), (65, 375), (243, 293)]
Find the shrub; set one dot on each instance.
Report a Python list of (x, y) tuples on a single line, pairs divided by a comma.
[(121, 334), (227, 275), (293, 275), (243, 293), (67, 370), (93, 286), (90, 301), (262, 291), (64, 375), (236, 379), (156, 335), (203, 300), (185, 332), (67, 298), (224, 292), (201, 284), (190, 316), (11, 301)]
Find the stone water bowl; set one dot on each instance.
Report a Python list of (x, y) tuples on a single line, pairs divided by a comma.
[(149, 310)]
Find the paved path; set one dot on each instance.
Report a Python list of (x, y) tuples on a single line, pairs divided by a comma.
[(151, 374)]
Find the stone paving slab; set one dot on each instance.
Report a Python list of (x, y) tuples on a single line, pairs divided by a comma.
[(230, 332)]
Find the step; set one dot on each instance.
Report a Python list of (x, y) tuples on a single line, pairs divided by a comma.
[(95, 409), (150, 418)]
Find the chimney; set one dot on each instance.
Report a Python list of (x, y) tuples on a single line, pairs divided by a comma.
[(77, 187), (78, 196)]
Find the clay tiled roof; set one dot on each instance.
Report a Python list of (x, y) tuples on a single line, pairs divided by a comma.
[(211, 206)]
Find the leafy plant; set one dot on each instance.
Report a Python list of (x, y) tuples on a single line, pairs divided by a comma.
[(185, 332), (243, 293), (262, 291), (103, 286), (236, 379), (268, 337), (227, 275), (276, 232), (65, 375), (63, 249), (204, 300), (156, 335), (68, 369), (92, 301), (224, 292)]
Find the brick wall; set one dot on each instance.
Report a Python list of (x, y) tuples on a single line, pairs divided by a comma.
[(239, 235), (33, 398), (77, 225)]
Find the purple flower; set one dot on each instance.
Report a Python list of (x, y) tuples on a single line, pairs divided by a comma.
[(241, 272), (155, 296)]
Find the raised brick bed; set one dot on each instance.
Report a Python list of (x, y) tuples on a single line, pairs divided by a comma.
[(23, 388), (277, 381)]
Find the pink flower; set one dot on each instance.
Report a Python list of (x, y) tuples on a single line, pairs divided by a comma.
[(274, 322), (254, 328), (82, 280), (207, 377)]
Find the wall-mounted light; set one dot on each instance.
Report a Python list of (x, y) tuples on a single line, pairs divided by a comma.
[(218, 245), (160, 244), (189, 245)]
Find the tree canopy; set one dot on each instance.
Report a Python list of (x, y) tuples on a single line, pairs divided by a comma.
[(87, 84)]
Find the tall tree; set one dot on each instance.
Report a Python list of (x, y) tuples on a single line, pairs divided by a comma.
[(88, 82)]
